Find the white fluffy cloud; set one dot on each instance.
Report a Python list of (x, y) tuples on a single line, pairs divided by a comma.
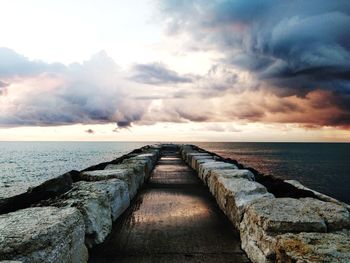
[(37, 93)]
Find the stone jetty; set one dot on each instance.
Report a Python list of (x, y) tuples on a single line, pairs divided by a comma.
[(278, 221), (172, 203)]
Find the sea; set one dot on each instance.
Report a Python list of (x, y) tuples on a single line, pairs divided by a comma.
[(324, 167)]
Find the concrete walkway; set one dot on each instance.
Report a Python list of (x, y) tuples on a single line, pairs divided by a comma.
[(173, 219)]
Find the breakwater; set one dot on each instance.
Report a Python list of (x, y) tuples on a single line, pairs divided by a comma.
[(277, 221), (60, 219)]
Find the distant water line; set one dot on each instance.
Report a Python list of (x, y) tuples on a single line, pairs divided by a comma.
[(324, 167)]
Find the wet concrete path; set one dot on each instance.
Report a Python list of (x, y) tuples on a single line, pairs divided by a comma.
[(172, 219)]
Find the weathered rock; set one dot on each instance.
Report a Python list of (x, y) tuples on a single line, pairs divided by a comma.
[(265, 219), (137, 169), (319, 195), (206, 168), (201, 161), (43, 234), (297, 215), (254, 253), (335, 216), (19, 197), (313, 247), (185, 149), (117, 193), (190, 155), (144, 164), (234, 195), (230, 173), (133, 181), (99, 202), (200, 157), (154, 149), (148, 156)]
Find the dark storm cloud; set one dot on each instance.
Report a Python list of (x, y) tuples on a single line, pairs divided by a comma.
[(276, 39), (124, 124), (280, 61), (297, 46), (90, 131), (157, 73)]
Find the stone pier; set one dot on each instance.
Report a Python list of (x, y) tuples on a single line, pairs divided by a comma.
[(173, 219), (172, 203)]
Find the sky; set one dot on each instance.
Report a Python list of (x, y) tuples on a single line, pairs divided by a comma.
[(166, 70)]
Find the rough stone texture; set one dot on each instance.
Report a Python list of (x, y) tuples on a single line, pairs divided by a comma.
[(96, 202), (189, 156), (185, 149), (313, 247), (145, 156), (154, 149), (137, 169), (117, 193), (230, 173), (201, 161), (23, 195), (133, 181), (296, 215), (254, 253), (43, 234), (195, 159), (234, 195), (206, 168), (335, 216), (319, 195), (173, 219), (261, 218), (144, 164), (265, 219)]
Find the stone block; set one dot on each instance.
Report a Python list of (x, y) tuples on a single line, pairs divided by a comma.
[(190, 155), (314, 247), (230, 173), (234, 195), (319, 195), (201, 161), (141, 163), (206, 168), (43, 234), (99, 204), (133, 181), (265, 219), (19, 196), (195, 159)]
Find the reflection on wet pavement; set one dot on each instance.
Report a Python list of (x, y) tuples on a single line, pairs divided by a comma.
[(173, 219)]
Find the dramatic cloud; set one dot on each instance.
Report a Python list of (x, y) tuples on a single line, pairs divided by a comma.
[(290, 47), (44, 94), (3, 84), (269, 61), (13, 64), (157, 73), (276, 39), (90, 131)]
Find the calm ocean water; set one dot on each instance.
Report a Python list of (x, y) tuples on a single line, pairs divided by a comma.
[(25, 163), (322, 166)]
